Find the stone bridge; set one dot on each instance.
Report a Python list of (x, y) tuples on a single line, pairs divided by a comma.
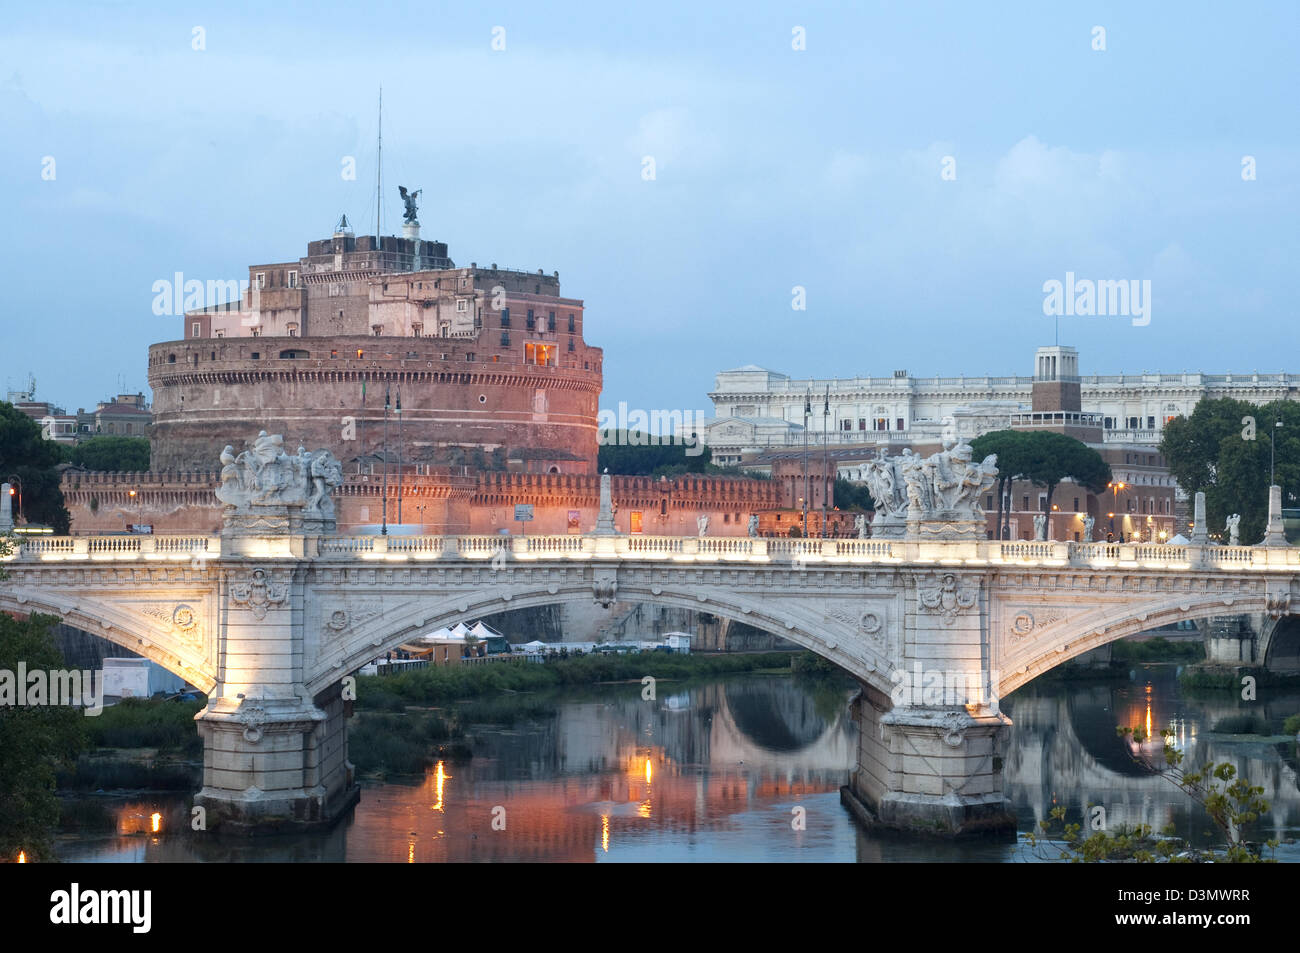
[(935, 631)]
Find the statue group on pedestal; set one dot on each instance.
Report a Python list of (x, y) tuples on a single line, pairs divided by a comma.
[(266, 476), (944, 486)]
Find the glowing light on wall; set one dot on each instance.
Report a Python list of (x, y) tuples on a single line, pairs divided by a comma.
[(22, 857), (156, 820), (604, 833)]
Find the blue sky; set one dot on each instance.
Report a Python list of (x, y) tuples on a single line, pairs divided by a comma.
[(774, 168)]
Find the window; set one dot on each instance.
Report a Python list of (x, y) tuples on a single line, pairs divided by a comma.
[(882, 423), (219, 334), (293, 279), (542, 354), (292, 330), (1025, 500), (417, 330), (462, 305), (532, 322), (261, 280), (1108, 423), (1076, 504), (988, 502), (550, 321), (1042, 502), (846, 424), (469, 357), (900, 424), (570, 345), (505, 338), (1151, 423), (505, 317), (334, 354), (195, 329), (1133, 423), (257, 332), (862, 423), (360, 353), (256, 355), (570, 323)]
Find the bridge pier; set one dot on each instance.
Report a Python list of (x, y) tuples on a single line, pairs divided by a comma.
[(275, 764), (928, 770)]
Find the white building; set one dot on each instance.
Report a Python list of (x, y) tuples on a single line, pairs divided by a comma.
[(758, 409)]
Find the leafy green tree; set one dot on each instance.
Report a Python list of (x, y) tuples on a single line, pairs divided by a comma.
[(112, 454), (633, 453), (1232, 803), (1053, 457), (34, 741), (29, 456), (854, 497), (1012, 448), (1223, 450)]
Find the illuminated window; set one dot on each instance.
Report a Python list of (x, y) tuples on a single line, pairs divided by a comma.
[(544, 354), (360, 353)]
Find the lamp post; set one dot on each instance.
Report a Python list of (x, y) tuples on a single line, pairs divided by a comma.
[(826, 457), (384, 504), (803, 502), (1114, 502), (16, 481)]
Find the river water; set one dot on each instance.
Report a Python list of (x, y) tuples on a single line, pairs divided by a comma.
[(746, 768)]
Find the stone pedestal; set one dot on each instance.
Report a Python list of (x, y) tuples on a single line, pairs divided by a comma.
[(1274, 535), (1200, 531), (272, 765), (929, 770), (6, 510)]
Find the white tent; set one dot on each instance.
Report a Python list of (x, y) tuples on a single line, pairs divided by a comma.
[(533, 647), (437, 635)]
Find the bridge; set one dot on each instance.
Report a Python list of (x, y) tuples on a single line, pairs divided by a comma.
[(269, 616)]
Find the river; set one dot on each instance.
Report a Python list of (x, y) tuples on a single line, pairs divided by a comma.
[(746, 768)]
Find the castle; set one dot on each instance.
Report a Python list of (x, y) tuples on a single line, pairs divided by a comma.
[(478, 366)]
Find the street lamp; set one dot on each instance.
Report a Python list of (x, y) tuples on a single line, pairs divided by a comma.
[(15, 480), (1114, 502)]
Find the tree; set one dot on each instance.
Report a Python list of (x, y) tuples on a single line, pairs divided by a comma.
[(34, 740), (29, 456), (1223, 450), (112, 454), (1013, 451), (633, 453), (1232, 803), (854, 497), (1053, 457)]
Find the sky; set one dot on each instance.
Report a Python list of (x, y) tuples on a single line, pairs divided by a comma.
[(919, 170)]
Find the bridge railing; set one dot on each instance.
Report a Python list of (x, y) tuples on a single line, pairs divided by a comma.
[(708, 549)]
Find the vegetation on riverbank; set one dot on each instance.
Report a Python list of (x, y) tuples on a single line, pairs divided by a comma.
[(1229, 679), (1158, 649), (439, 684)]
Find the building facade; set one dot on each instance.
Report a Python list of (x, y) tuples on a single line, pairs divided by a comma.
[(367, 343), (760, 409)]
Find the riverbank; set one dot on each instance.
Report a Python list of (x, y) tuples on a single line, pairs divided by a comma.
[(440, 684)]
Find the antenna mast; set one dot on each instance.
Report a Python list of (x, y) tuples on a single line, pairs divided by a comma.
[(379, 169)]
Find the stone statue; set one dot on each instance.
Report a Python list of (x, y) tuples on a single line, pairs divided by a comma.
[(409, 198), (1040, 527), (860, 524), (1233, 527), (1088, 524), (753, 525), (266, 490), (702, 523)]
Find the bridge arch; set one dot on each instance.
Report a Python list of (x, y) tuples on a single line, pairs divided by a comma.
[(104, 620), (1282, 645), (808, 629), (1024, 659)]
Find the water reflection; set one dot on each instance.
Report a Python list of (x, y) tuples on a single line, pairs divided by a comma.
[(713, 772)]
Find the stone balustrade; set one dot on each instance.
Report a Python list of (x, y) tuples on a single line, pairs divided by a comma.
[(800, 552)]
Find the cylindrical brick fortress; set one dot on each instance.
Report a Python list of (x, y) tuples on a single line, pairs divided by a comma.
[(460, 402)]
